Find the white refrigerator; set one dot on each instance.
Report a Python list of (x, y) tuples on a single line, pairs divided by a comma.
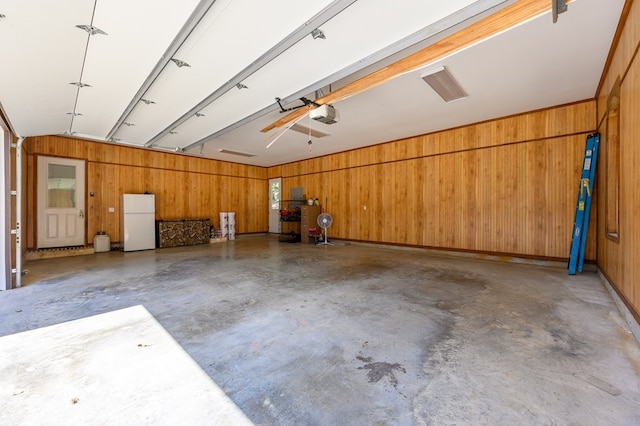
[(138, 228)]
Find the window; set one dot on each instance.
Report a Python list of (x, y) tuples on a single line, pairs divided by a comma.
[(612, 165)]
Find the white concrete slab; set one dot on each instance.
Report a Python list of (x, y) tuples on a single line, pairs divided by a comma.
[(117, 368)]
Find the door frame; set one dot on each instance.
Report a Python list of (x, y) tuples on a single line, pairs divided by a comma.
[(41, 194)]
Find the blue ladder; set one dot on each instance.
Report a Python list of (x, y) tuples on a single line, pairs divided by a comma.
[(583, 206)]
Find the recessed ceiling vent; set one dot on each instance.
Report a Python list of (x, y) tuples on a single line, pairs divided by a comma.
[(326, 114), (441, 80)]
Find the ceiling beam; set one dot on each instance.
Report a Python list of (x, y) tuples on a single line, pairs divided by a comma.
[(508, 17)]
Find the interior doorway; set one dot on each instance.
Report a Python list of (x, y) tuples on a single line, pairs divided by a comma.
[(61, 202), (275, 192)]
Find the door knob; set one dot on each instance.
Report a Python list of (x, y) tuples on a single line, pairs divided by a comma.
[(81, 214)]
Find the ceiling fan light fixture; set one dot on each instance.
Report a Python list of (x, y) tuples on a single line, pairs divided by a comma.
[(317, 33), (232, 152), (91, 29), (180, 63), (441, 80)]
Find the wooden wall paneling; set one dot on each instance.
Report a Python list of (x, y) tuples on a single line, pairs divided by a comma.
[(188, 192), (363, 202), (451, 211), (556, 222), (375, 201), (415, 184), (617, 259), (430, 224), (630, 182), (274, 172), (471, 184), (534, 193), (499, 234), (353, 200), (338, 199), (455, 206), (484, 198), (439, 195), (633, 136)]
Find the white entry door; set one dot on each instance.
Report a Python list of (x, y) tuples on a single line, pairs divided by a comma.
[(60, 202), (275, 190)]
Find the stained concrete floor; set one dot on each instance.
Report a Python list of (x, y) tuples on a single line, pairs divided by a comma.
[(296, 334)]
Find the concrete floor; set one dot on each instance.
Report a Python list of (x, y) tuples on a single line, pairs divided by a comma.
[(295, 334)]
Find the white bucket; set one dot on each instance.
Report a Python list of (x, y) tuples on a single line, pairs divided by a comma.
[(224, 224), (232, 225)]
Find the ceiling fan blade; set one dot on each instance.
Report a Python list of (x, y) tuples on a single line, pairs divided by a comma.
[(275, 136), (505, 18)]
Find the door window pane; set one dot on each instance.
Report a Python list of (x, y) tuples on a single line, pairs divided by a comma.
[(61, 191), (275, 195)]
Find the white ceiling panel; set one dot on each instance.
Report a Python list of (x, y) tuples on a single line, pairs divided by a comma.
[(534, 65), (35, 75), (118, 63)]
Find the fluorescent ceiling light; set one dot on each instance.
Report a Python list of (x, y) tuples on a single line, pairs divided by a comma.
[(308, 131), (441, 80), (240, 153)]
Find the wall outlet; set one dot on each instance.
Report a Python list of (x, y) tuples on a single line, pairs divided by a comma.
[(112, 209)]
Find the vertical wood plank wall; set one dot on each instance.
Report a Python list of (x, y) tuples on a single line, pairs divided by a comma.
[(619, 259), (185, 187), (506, 186)]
